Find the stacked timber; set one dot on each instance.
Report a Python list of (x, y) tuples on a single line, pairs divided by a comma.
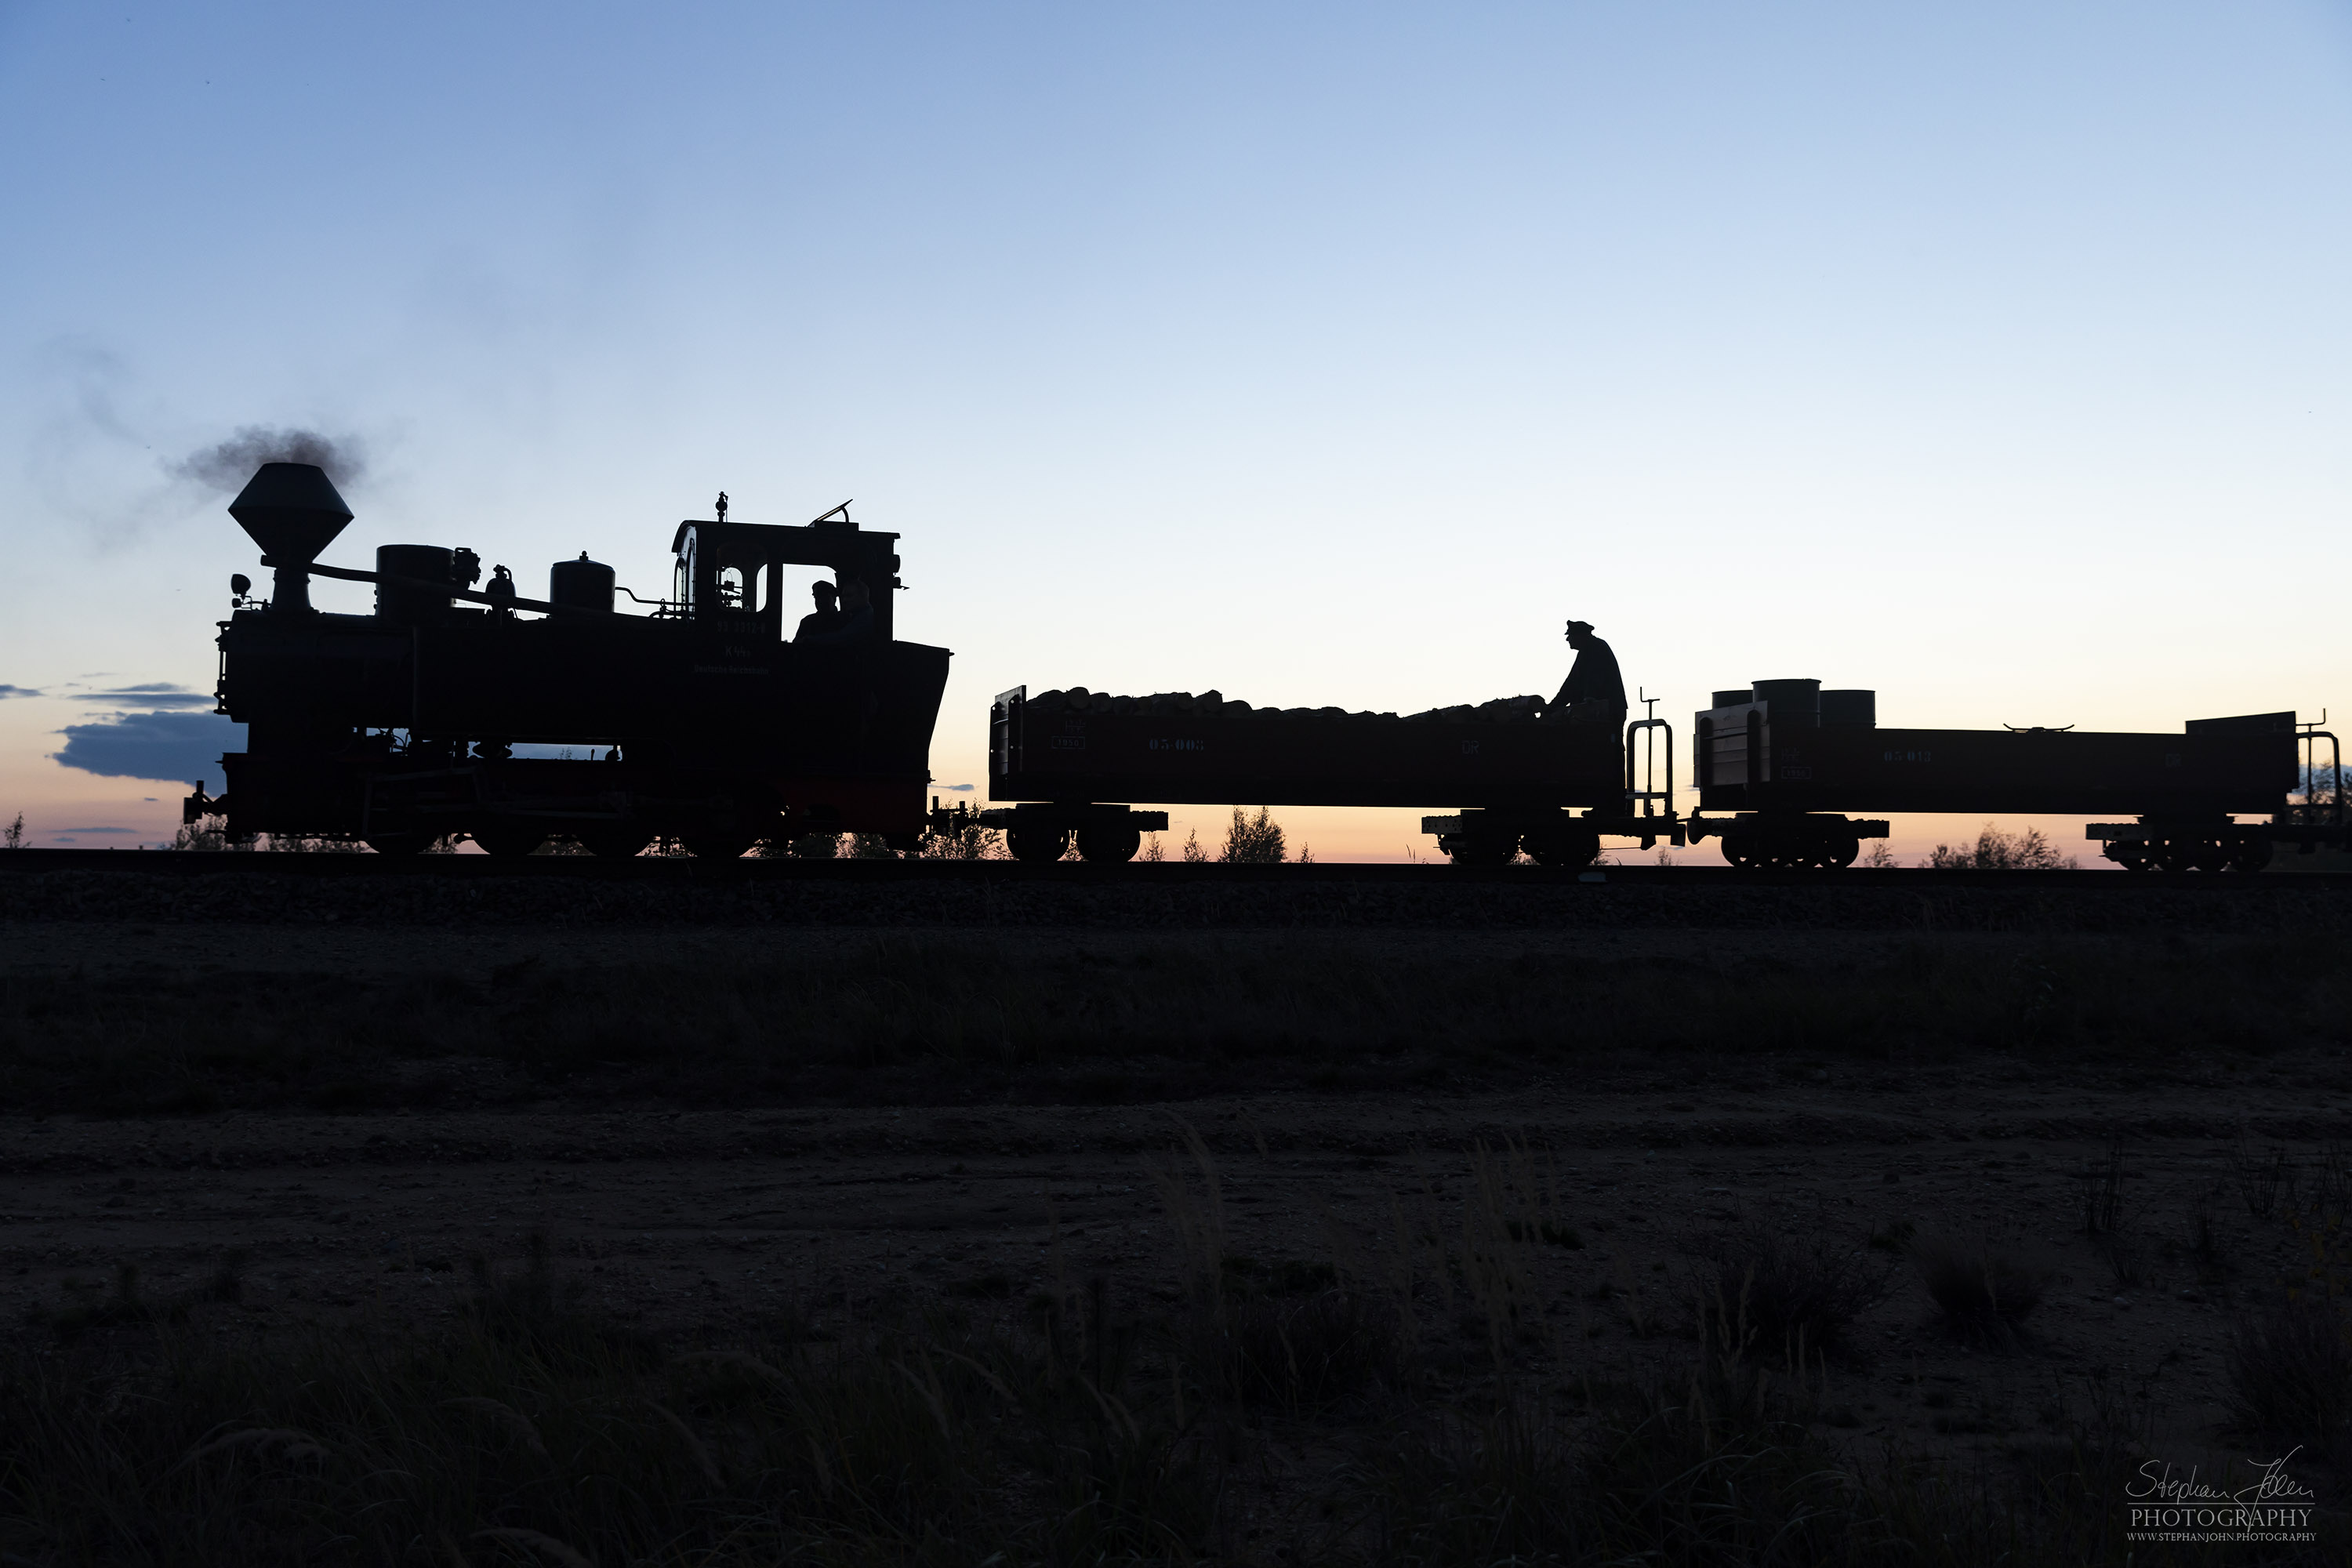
[(1215, 704)]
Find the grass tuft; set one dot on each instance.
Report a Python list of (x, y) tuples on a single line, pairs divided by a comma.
[(1983, 1293), (2290, 1366), (1795, 1297)]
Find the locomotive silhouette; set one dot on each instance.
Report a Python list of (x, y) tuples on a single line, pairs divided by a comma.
[(697, 721)]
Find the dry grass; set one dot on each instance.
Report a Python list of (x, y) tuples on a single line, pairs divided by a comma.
[(1983, 1290), (948, 1019), (1793, 1296), (2290, 1364), (1269, 1415)]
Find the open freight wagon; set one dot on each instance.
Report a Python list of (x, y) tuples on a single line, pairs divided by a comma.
[(1517, 777), (1784, 755)]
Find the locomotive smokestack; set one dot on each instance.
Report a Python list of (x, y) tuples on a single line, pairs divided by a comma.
[(292, 512)]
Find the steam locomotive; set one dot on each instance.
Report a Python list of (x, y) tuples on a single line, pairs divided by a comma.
[(698, 721), (701, 722)]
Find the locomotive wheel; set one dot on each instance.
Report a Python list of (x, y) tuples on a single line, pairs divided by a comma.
[(1035, 844), (618, 842), (2250, 854), (729, 843), (1843, 852), (1566, 846), (508, 843), (1739, 851), (400, 842), (1109, 843)]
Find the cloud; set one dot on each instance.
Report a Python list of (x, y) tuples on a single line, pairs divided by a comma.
[(180, 747), (959, 786), (8, 691), (154, 693), (227, 465), (99, 830)]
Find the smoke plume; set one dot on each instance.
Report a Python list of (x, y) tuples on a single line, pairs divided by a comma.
[(228, 466)]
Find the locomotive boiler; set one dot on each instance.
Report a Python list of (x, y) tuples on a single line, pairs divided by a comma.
[(701, 721)]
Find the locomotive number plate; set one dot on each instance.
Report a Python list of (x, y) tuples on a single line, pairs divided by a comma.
[(1069, 743)]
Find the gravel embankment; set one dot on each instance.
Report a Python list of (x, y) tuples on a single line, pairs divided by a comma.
[(2104, 904)]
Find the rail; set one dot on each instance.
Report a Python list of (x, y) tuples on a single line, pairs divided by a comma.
[(688, 869)]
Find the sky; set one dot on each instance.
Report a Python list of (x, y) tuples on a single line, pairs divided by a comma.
[(1993, 357)]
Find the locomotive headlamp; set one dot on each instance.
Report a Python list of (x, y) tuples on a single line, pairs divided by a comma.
[(239, 583)]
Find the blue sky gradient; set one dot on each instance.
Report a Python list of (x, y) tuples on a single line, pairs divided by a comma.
[(1992, 357)]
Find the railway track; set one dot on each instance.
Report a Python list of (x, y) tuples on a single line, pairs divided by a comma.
[(2102, 881)]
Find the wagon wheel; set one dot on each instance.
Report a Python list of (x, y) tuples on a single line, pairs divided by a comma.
[(507, 841), (2212, 855), (1481, 849), (2250, 854), (2177, 854), (1038, 843), (1565, 847), (2132, 856), (1109, 843), (616, 841)]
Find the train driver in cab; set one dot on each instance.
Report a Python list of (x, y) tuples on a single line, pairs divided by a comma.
[(854, 621), (1593, 693), (824, 618)]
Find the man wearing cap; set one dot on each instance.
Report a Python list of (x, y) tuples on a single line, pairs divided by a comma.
[(823, 619), (1593, 693), (852, 623)]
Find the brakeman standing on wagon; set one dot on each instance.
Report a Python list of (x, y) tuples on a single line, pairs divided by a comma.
[(1593, 693)]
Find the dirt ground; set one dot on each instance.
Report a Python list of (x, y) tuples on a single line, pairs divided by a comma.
[(691, 1221)]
